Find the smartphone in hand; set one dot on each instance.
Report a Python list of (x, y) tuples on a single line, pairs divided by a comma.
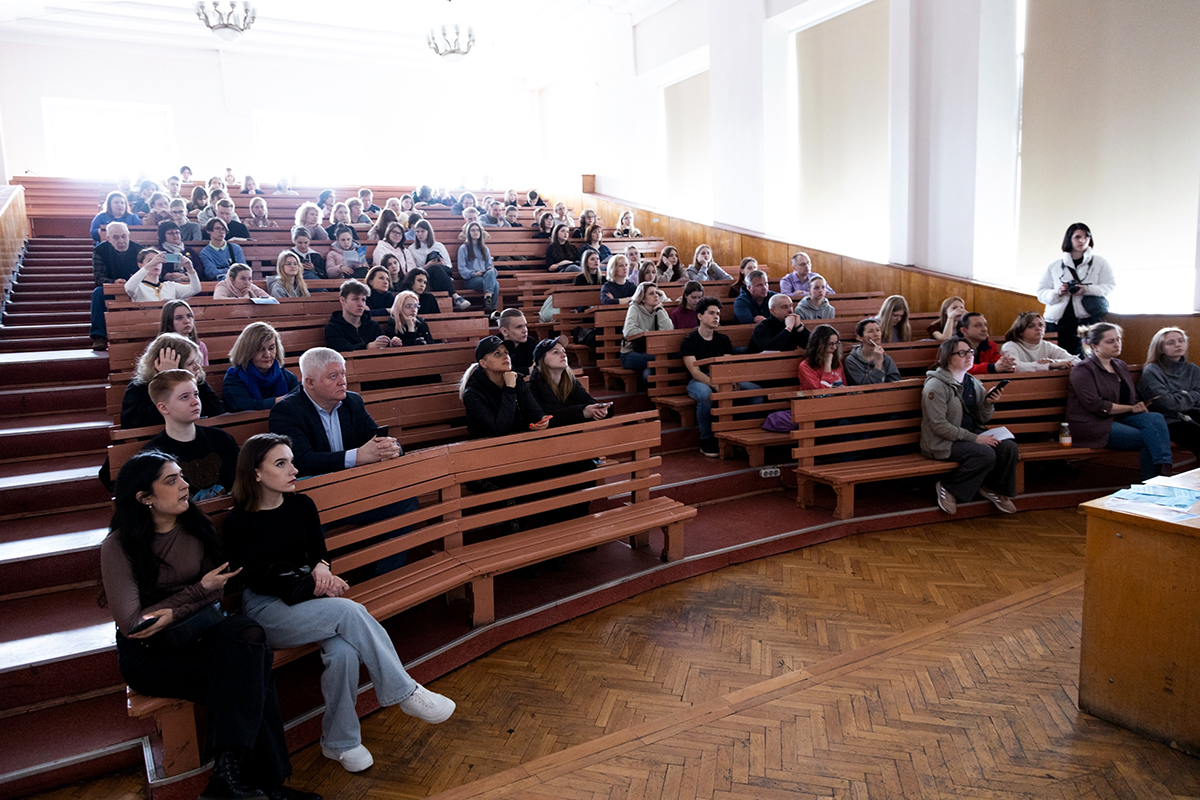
[(996, 389), (145, 623)]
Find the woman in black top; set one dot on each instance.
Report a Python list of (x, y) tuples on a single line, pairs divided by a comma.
[(403, 325), (161, 562), (381, 297), (589, 263), (592, 241), (557, 390), (561, 255), (273, 530), (497, 401), (545, 225), (417, 281)]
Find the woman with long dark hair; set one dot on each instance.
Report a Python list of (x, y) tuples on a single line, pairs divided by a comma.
[(475, 264), (271, 525), (822, 363), (164, 574), (417, 281), (1075, 287), (432, 255)]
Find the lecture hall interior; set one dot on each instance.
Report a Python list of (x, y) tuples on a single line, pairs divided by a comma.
[(710, 579)]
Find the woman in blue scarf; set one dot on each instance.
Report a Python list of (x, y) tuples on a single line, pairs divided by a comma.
[(257, 378)]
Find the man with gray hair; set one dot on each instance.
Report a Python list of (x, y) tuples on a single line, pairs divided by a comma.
[(113, 261), (781, 332), (332, 430), (796, 281), (751, 306)]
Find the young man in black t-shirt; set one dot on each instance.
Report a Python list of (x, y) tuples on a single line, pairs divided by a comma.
[(207, 456), (706, 342)]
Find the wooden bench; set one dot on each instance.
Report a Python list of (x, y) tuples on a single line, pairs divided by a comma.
[(879, 420), (443, 478), (738, 426)]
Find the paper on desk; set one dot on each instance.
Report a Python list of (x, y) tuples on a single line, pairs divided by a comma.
[(1147, 510), (1161, 495), (1001, 433), (264, 301)]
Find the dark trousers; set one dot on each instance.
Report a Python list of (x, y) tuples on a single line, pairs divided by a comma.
[(440, 280), (1187, 435), (98, 327), (980, 465), (1067, 329), (229, 675)]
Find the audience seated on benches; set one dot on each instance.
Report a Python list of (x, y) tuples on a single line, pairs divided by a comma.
[(561, 254), (867, 362), (668, 268), (781, 331), (161, 561), (159, 210), (224, 212), (345, 259), (497, 400), (1103, 409), (219, 255), (617, 290), (167, 351), (308, 218), (821, 367), (188, 231), (703, 343), (237, 285), (339, 218), (753, 301), (557, 390), (592, 243), (379, 301), (404, 325), (747, 265), (289, 277), (312, 261), (1170, 385), (973, 329), (113, 261), (256, 379), (1025, 343), (589, 269), (514, 331), (116, 209), (394, 243), (683, 316), (646, 313), (815, 305), (949, 316), (272, 524), (416, 280), (893, 317), (703, 268), (796, 281), (148, 285), (432, 255), (259, 217), (178, 317), (475, 265), (955, 409), (206, 455), (171, 240), (351, 328)]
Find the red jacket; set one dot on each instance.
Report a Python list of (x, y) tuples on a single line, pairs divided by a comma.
[(986, 355)]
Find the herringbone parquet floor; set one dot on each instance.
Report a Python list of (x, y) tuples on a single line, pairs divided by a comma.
[(684, 649)]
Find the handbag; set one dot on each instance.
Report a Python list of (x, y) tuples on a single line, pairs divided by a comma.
[(192, 627), (293, 584)]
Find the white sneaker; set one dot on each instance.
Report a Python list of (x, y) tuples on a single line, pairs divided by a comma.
[(356, 759), (429, 706), (462, 303)]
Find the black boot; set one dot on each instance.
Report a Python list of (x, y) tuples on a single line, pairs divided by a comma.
[(226, 782), (1165, 469)]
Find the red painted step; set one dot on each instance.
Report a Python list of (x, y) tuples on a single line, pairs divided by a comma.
[(78, 365), (46, 486), (54, 343), (45, 317), (13, 331), (39, 437), (52, 399)]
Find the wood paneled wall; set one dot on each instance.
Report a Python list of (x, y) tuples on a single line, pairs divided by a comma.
[(924, 289), (14, 230)]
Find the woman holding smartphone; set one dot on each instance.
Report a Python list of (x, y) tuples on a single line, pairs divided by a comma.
[(556, 389)]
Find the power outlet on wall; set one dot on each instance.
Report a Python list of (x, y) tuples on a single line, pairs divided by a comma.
[(769, 472)]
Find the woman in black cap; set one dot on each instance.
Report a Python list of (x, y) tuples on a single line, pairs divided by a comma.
[(497, 400), (556, 389)]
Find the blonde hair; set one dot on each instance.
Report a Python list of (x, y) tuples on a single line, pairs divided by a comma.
[(394, 311), (1154, 353), (295, 287), (189, 353), (251, 340), (304, 209)]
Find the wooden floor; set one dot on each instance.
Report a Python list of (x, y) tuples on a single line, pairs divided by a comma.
[(872, 666)]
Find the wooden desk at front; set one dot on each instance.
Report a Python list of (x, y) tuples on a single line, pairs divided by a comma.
[(1139, 664)]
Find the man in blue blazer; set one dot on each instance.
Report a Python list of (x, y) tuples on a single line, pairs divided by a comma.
[(332, 430)]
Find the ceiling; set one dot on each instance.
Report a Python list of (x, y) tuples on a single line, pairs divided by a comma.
[(526, 36)]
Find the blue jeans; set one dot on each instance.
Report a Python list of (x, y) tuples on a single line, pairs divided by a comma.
[(702, 394), (347, 634), (98, 326), (1146, 432), (488, 283), (638, 362)]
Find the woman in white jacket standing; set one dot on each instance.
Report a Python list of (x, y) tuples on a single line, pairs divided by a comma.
[(1074, 288)]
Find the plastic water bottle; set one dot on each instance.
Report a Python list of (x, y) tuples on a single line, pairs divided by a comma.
[(1064, 435)]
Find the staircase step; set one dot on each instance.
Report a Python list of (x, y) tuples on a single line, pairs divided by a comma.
[(46, 438), (50, 343), (28, 402), (45, 562), (10, 331), (46, 317), (77, 365), (64, 524), (29, 303), (49, 485)]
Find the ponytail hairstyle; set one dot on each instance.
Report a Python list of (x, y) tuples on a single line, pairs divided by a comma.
[(1091, 335)]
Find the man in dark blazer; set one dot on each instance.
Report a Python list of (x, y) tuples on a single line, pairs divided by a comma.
[(331, 430), (330, 427)]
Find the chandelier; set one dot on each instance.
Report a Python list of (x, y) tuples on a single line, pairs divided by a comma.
[(451, 51), (227, 25)]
